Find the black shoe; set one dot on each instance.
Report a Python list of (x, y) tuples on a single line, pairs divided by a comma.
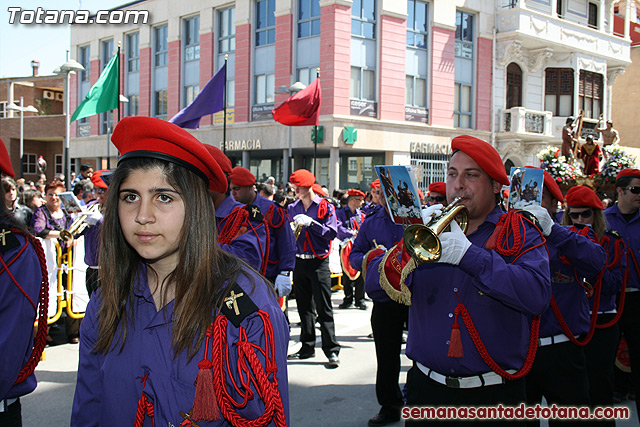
[(345, 304), (301, 355), (382, 419), (361, 305), (334, 362)]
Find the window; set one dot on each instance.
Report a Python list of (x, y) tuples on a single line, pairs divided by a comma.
[(160, 46), (85, 62), (417, 24), (58, 163), (3, 109), (462, 106), (133, 53), (590, 93), (306, 75), (265, 88), (559, 9), (514, 85), (30, 163), (192, 39), (558, 92), (132, 105), (464, 35), (363, 84), (416, 91), (227, 30), (265, 22), (190, 93), (160, 104), (363, 18), (308, 18), (593, 15)]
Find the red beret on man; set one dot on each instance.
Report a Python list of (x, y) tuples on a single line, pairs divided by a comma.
[(5, 161), (484, 155), (221, 158), (355, 192), (99, 178), (550, 184), (138, 137), (302, 178), (629, 172), (375, 184), (317, 188), (582, 196), (438, 187), (242, 177)]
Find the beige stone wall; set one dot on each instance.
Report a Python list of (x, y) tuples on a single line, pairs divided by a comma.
[(625, 106)]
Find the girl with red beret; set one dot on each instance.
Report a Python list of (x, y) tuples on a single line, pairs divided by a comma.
[(179, 332)]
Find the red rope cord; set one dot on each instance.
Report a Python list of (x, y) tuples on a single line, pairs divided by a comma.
[(144, 409), (230, 227), (618, 250)]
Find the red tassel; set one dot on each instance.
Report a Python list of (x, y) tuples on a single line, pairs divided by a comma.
[(455, 342), (205, 405)]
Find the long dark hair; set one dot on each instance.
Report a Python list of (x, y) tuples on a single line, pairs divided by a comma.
[(198, 278)]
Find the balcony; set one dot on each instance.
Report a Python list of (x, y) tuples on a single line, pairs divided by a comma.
[(519, 120), (540, 29)]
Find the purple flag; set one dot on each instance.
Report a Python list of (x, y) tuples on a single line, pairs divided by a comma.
[(210, 100)]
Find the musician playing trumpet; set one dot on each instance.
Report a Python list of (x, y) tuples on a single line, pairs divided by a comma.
[(470, 313), (349, 220)]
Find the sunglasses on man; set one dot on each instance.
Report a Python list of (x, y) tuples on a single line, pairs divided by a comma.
[(438, 199), (634, 190), (584, 214)]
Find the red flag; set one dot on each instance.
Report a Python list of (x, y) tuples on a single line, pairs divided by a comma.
[(301, 109)]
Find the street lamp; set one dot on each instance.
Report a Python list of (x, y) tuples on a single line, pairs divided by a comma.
[(71, 66), (22, 109), (286, 160)]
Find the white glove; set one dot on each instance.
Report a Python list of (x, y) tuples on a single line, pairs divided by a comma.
[(93, 218), (546, 223), (283, 284), (454, 245), (303, 219), (431, 211)]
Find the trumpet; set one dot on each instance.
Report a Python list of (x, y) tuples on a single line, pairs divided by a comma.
[(422, 242), (297, 228), (78, 225)]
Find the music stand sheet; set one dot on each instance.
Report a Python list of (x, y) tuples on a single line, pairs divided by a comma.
[(70, 202), (401, 193), (526, 187)]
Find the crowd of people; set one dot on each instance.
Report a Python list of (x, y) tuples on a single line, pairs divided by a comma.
[(191, 261)]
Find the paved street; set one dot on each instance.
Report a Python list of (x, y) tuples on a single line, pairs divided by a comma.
[(319, 396)]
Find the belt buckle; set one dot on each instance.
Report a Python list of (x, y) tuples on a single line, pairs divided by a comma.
[(452, 382)]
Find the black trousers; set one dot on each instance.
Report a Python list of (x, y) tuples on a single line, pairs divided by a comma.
[(13, 415), (559, 373), (312, 279), (423, 391), (601, 355), (387, 322), (349, 285), (630, 326)]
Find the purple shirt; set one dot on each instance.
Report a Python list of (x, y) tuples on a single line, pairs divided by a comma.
[(612, 278), (42, 222), (17, 315), (500, 293), (282, 243), (315, 239), (586, 260), (345, 219), (92, 242), (630, 232), (108, 387)]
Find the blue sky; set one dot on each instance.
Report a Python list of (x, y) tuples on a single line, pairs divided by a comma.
[(20, 44)]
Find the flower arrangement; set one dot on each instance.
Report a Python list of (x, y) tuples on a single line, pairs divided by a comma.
[(563, 171), (616, 159)]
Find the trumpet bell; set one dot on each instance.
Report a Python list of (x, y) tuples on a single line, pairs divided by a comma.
[(422, 243)]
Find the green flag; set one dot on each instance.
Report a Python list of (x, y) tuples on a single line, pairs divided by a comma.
[(103, 96)]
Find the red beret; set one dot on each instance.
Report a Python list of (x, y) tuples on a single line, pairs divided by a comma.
[(629, 172), (582, 196), (317, 188), (375, 184), (355, 192), (5, 161), (550, 184), (150, 137), (220, 157), (302, 178), (420, 194), (484, 155), (242, 177), (99, 178), (438, 187)]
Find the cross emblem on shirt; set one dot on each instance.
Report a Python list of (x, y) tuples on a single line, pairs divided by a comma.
[(255, 211), (3, 235), (187, 417), (231, 301)]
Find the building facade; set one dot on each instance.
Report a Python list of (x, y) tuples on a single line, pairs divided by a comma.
[(400, 78)]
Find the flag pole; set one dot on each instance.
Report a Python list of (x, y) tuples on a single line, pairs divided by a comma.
[(224, 107), (119, 43), (315, 134), (110, 113)]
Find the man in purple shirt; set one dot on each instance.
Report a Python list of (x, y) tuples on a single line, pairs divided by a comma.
[(311, 276), (350, 217), (470, 317), (282, 244), (624, 217)]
